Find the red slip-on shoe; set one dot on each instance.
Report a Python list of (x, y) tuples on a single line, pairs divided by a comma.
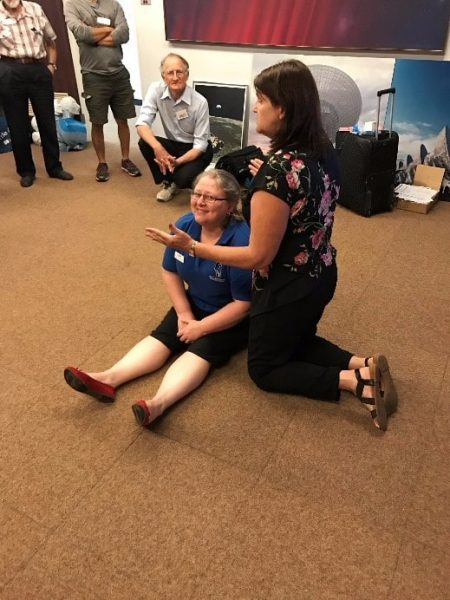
[(81, 382), (142, 413)]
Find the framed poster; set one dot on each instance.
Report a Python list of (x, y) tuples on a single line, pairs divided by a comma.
[(384, 25), (227, 114)]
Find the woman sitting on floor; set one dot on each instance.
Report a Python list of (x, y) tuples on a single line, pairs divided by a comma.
[(208, 321)]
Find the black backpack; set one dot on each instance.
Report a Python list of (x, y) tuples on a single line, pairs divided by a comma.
[(236, 162)]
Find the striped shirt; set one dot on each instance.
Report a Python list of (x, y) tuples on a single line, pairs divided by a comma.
[(24, 35)]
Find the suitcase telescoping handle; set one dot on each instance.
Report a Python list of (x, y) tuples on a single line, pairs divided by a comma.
[(379, 94)]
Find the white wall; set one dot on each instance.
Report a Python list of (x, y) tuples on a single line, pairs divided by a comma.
[(131, 49)]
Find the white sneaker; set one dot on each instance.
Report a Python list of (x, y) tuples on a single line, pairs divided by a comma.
[(166, 192)]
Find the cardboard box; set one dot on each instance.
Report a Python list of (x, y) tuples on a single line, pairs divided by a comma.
[(427, 177)]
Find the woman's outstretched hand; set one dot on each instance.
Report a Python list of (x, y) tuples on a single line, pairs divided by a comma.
[(177, 238)]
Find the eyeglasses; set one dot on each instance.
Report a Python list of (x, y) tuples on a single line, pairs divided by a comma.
[(206, 197), (174, 73)]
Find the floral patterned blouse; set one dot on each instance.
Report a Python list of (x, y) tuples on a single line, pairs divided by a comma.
[(310, 188)]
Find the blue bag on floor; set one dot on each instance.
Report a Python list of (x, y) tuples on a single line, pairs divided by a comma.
[(72, 134)]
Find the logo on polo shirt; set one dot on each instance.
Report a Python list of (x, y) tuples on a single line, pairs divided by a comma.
[(218, 275)]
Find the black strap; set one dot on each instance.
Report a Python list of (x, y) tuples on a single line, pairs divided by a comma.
[(361, 382)]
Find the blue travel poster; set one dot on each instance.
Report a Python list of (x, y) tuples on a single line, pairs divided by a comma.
[(422, 116)]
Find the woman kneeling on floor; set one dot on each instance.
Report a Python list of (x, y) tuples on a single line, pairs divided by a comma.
[(208, 321)]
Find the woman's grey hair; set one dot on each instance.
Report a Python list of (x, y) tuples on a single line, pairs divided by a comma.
[(230, 186), (173, 55)]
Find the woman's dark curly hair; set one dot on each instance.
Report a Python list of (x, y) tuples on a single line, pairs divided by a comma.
[(290, 85)]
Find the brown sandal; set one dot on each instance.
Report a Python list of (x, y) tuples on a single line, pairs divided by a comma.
[(388, 390), (378, 413)]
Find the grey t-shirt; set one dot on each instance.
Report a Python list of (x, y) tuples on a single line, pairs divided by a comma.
[(81, 16)]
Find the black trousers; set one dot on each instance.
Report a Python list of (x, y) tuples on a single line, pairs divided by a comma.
[(184, 175), (34, 82), (284, 353)]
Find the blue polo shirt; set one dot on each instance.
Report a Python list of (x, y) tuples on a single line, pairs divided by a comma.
[(211, 285)]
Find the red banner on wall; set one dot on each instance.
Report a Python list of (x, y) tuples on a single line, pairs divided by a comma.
[(408, 25)]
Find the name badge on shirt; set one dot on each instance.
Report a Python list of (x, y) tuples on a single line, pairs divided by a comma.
[(181, 114), (179, 256), (103, 21)]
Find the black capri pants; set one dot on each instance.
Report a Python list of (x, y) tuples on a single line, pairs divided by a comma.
[(216, 348)]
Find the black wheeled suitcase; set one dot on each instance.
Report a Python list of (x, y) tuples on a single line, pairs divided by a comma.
[(368, 163)]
